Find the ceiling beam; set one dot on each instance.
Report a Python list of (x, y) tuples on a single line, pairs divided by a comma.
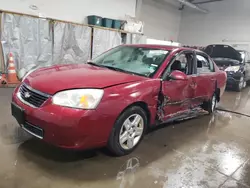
[(189, 3), (203, 2)]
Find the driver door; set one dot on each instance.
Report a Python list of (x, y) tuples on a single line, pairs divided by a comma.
[(178, 94)]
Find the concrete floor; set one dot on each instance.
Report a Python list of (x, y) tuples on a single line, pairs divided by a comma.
[(207, 151)]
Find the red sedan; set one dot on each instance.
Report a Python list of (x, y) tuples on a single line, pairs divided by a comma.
[(112, 100)]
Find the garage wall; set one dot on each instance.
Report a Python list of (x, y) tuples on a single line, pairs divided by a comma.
[(227, 22), (72, 10), (161, 18)]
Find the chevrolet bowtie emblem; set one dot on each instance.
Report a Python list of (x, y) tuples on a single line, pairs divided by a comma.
[(27, 95)]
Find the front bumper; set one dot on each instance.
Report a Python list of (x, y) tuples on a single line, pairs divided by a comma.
[(233, 79), (65, 127)]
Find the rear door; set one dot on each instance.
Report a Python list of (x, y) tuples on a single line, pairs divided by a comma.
[(177, 94), (204, 78)]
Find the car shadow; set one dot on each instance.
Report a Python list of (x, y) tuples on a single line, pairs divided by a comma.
[(37, 158)]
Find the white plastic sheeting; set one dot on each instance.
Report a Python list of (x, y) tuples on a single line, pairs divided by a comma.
[(162, 42), (37, 42), (103, 40), (138, 39), (72, 43), (128, 38), (28, 38), (135, 39), (34, 45)]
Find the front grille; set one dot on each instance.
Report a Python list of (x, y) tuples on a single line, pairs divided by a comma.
[(31, 96), (34, 130)]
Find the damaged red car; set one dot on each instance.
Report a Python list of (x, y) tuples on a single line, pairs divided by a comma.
[(113, 99)]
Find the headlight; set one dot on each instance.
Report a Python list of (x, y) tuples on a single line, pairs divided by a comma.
[(232, 68), (79, 98)]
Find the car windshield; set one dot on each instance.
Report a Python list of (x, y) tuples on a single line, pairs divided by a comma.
[(131, 59)]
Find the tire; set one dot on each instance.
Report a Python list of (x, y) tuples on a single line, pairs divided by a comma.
[(122, 125), (248, 82), (210, 105), (241, 84)]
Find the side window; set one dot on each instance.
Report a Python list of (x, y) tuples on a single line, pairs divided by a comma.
[(204, 65), (181, 63), (183, 59)]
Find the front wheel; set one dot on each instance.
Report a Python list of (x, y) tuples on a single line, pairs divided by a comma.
[(241, 85), (210, 105), (128, 131)]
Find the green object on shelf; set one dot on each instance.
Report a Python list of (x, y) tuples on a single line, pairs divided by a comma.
[(106, 22), (95, 20), (116, 24)]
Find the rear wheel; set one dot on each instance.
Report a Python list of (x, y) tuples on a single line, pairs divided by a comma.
[(210, 105), (128, 131)]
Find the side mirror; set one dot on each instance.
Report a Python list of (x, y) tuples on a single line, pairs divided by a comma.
[(178, 75)]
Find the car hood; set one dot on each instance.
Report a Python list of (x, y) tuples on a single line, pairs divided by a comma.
[(222, 51), (62, 77)]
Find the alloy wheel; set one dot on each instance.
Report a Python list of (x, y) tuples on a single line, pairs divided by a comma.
[(131, 131)]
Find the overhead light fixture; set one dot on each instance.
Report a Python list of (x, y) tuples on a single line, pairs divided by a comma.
[(33, 7)]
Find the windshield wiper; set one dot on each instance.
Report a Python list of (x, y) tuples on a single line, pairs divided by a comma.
[(118, 69), (105, 66), (94, 64), (112, 68)]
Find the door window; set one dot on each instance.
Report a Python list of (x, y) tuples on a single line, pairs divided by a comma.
[(204, 65), (181, 63)]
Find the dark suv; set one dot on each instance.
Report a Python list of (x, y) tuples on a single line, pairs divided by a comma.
[(235, 63)]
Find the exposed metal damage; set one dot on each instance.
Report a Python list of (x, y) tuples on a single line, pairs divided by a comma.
[(163, 101)]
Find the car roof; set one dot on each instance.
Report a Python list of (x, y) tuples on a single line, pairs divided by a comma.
[(165, 47)]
